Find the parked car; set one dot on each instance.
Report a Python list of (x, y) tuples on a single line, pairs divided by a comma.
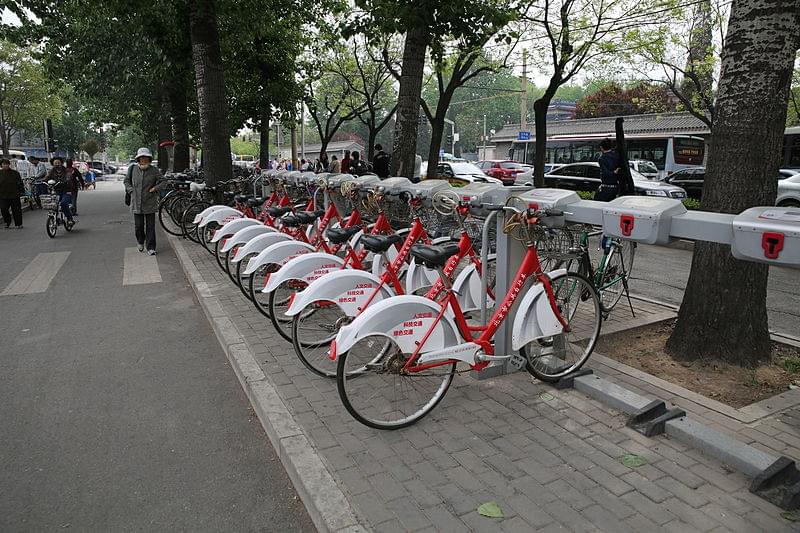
[(586, 177), (689, 179), (788, 191), (692, 180), (244, 161), (526, 177), (459, 174), (648, 169), (506, 171), (103, 167)]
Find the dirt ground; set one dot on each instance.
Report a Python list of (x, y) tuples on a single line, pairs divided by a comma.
[(643, 348)]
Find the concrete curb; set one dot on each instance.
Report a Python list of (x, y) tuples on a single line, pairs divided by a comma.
[(326, 503), (744, 458)]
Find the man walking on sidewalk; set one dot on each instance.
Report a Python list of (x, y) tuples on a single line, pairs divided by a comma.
[(11, 188)]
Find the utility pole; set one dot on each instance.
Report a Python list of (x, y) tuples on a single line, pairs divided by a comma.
[(523, 101), (302, 130), (293, 137), (484, 136)]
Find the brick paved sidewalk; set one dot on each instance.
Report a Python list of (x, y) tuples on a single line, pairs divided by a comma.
[(550, 459)]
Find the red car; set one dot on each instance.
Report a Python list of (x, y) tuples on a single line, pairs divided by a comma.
[(505, 171)]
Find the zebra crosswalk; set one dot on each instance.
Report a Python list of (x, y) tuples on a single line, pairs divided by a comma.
[(38, 275)]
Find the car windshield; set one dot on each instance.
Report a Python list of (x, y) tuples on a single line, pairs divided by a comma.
[(511, 165), (465, 168), (638, 176), (647, 166), (784, 174)]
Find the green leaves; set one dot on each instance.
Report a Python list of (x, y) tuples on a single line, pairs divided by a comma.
[(491, 510), (631, 460)]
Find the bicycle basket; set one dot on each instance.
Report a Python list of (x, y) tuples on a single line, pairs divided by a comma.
[(49, 201)]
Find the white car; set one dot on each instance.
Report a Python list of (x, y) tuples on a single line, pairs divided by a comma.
[(648, 169), (526, 178), (788, 190), (460, 173), (586, 177)]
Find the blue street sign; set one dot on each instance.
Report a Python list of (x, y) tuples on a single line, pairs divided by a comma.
[(441, 152), (524, 136)]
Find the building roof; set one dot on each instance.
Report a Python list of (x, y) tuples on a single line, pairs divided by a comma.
[(334, 146), (661, 123)]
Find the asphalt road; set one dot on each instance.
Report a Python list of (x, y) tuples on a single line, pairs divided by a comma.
[(661, 274), (118, 411)]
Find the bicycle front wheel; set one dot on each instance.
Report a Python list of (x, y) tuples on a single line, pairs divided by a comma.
[(279, 301), (52, 226), (376, 390), (551, 358)]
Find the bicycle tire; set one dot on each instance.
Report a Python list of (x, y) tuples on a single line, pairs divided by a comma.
[(258, 281), (312, 345), (51, 226), (187, 219), (163, 213), (241, 280), (354, 376), (279, 300), (207, 234), (219, 255), (547, 365), (230, 267)]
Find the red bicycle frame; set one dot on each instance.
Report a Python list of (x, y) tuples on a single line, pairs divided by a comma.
[(530, 266)]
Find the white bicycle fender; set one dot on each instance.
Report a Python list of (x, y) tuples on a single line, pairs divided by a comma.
[(349, 289), (306, 267), (205, 212), (232, 227), (245, 234), (418, 277), (404, 319), (221, 216), (278, 254), (535, 317), (468, 288), (259, 243)]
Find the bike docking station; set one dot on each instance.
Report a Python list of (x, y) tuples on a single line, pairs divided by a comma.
[(769, 235)]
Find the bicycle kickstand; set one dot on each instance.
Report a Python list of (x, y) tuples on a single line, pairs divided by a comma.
[(628, 296)]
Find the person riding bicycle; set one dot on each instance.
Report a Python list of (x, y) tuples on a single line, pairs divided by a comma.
[(80, 184), (66, 186)]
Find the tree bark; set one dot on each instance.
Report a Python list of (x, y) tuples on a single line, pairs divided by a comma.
[(723, 314), (437, 132), (293, 140), (405, 130), (180, 126), (164, 128), (263, 140), (210, 82), (540, 131)]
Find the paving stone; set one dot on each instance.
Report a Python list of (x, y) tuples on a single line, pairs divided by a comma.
[(678, 472), (655, 512), (728, 518), (568, 494), (645, 486), (443, 520), (619, 507), (604, 520), (527, 509), (608, 480), (639, 522), (387, 486), (409, 515)]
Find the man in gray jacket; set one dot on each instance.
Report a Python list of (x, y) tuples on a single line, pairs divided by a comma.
[(141, 182)]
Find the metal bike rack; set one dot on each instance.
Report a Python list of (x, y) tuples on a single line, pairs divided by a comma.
[(769, 235)]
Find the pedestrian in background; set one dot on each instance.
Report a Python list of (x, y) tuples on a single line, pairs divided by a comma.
[(141, 183), (38, 172), (65, 187), (91, 179), (346, 162), (75, 174), (322, 165), (380, 162), (357, 166), (417, 168), (11, 188), (335, 166), (609, 172)]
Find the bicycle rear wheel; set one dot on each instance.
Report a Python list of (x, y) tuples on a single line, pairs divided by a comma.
[(188, 227), (242, 280), (551, 358), (615, 274), (258, 280), (166, 214), (378, 393), (312, 333), (206, 233)]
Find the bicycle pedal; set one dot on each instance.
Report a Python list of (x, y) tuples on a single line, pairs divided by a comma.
[(516, 362), (481, 357)]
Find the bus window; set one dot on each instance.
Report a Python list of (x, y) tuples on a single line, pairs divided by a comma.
[(530, 154), (654, 150), (688, 151), (792, 151)]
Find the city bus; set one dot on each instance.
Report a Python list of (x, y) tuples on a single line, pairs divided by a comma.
[(668, 153), (791, 148)]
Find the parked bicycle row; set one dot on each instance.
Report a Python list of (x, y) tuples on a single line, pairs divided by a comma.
[(388, 286)]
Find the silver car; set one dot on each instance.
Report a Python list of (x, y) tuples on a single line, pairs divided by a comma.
[(586, 177), (788, 189)]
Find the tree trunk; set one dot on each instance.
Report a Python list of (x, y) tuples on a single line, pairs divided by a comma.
[(164, 128), (540, 133), (210, 82), (723, 314), (437, 132), (263, 140), (371, 135), (293, 140), (405, 130), (180, 126)]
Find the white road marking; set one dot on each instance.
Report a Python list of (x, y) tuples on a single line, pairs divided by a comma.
[(140, 268), (38, 275)]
